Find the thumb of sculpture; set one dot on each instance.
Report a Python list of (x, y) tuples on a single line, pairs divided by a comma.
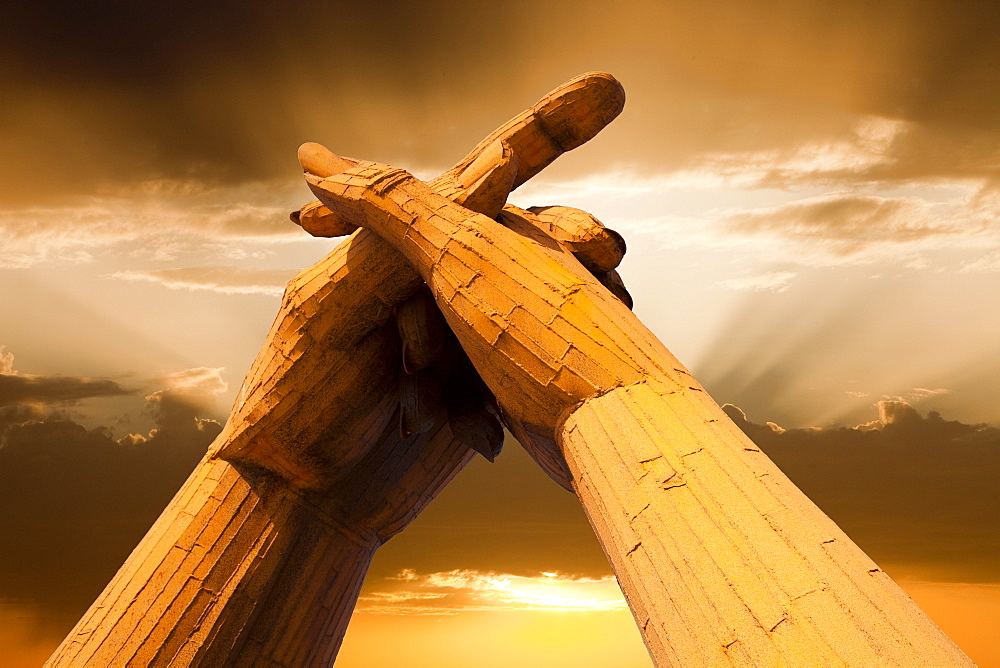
[(486, 182)]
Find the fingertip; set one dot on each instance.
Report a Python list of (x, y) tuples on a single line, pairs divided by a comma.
[(616, 286), (619, 242), (575, 112), (319, 221), (479, 430), (320, 161), (597, 247)]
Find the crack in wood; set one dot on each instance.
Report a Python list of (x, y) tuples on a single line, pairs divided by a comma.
[(777, 624), (806, 593), (674, 480), (635, 515)]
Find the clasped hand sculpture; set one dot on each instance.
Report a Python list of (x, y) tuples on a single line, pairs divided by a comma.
[(398, 355)]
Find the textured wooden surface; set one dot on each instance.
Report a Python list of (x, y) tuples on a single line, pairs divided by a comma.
[(721, 558), (193, 589), (333, 352), (243, 569), (542, 331)]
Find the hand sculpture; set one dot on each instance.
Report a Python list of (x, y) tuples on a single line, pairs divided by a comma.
[(722, 560), (349, 423), (359, 408)]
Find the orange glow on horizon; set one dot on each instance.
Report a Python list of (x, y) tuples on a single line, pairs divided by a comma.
[(553, 619)]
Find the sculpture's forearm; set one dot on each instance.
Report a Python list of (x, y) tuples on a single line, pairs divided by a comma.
[(722, 559), (217, 573), (242, 568)]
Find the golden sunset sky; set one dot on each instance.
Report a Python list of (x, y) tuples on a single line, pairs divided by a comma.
[(810, 192)]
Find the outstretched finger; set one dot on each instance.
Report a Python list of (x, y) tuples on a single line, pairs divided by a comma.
[(567, 117)]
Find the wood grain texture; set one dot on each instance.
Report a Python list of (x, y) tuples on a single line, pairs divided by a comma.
[(721, 558), (193, 588), (244, 569), (332, 352)]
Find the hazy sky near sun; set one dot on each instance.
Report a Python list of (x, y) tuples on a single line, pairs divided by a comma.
[(810, 192)]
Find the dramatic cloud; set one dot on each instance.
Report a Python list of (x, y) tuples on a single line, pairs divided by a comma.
[(19, 389), (204, 158), (158, 220), (846, 223), (77, 499), (200, 383), (227, 280), (918, 493), (946, 224), (852, 154), (870, 150), (6, 362), (891, 90), (453, 592)]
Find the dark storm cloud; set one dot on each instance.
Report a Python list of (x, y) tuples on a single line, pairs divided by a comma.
[(105, 92), (19, 414), (75, 501), (23, 389), (24, 395), (918, 493), (117, 92)]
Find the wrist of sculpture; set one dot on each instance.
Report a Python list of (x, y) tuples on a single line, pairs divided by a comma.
[(237, 535)]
